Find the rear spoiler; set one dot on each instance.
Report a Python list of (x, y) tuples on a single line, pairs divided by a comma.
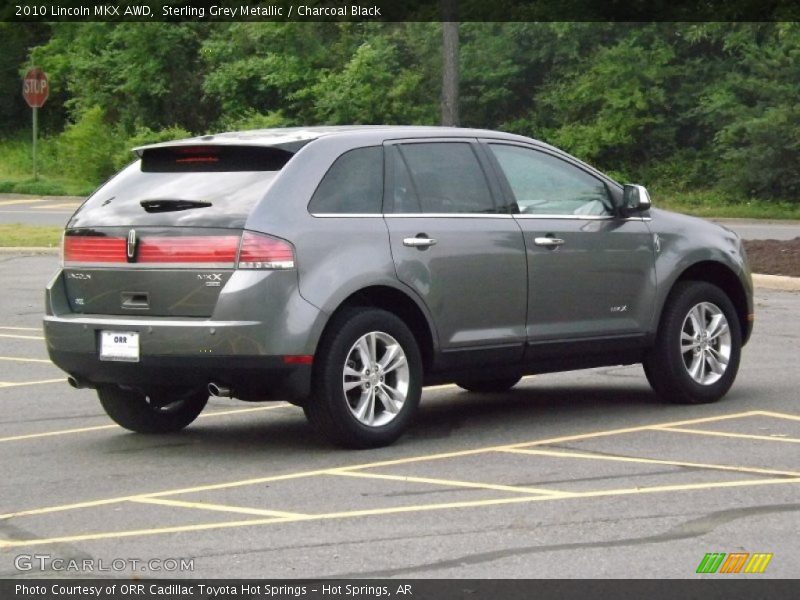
[(290, 140)]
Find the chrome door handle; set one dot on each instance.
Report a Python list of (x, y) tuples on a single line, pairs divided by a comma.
[(419, 242), (547, 241)]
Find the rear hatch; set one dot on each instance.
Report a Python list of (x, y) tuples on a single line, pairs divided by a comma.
[(164, 235)]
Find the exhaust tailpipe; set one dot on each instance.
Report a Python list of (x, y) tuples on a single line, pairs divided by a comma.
[(78, 384), (219, 391)]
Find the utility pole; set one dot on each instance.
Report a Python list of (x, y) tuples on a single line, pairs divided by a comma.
[(450, 75)]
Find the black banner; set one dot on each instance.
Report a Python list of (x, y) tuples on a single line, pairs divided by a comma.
[(400, 10), (717, 588)]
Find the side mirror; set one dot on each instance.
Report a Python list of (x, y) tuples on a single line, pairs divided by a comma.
[(635, 198)]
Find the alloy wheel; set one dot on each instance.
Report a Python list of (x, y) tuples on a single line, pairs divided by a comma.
[(375, 379)]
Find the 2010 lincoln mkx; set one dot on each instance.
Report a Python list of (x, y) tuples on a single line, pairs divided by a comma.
[(343, 268)]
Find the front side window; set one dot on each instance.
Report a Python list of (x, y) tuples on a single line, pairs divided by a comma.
[(546, 185), (439, 177), (353, 184)]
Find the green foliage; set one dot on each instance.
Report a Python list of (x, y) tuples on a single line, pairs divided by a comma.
[(14, 43), (756, 112), (372, 88), (142, 74), (686, 106), (255, 120), (306, 73), (87, 148)]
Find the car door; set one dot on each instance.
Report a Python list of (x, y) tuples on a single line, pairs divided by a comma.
[(460, 251), (591, 273)]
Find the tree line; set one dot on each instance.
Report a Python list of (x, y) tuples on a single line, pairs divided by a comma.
[(689, 105)]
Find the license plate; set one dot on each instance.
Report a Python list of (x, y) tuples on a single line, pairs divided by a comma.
[(119, 345)]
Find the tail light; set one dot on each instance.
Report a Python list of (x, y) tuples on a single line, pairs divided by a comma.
[(255, 251), (89, 249), (216, 249), (261, 251)]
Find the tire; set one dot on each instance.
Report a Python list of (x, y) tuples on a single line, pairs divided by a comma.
[(489, 386), (161, 411), (367, 379), (698, 333)]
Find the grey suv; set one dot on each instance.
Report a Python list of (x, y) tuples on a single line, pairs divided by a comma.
[(343, 268)]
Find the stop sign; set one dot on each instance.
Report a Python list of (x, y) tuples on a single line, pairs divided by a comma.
[(35, 87)]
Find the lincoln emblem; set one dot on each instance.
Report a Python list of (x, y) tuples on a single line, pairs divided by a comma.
[(131, 244)]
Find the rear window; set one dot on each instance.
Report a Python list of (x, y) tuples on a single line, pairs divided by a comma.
[(199, 186)]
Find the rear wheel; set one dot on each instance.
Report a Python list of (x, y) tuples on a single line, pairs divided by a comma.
[(161, 411), (489, 386), (367, 379), (698, 346)]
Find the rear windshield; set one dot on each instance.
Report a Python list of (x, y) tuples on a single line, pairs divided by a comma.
[(185, 186)]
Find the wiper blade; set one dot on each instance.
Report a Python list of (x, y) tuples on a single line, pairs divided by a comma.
[(157, 206)]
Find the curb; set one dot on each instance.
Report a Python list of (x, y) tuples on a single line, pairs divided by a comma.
[(768, 282), (776, 282)]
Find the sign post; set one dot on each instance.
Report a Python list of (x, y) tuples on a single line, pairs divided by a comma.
[(35, 89)]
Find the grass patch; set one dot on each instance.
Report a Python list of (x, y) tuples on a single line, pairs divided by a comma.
[(45, 187), (18, 235), (16, 170), (711, 204)]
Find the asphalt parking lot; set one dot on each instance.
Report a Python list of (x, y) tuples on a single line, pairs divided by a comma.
[(582, 474)]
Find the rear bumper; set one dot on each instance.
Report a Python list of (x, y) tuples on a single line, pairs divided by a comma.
[(248, 377), (177, 353)]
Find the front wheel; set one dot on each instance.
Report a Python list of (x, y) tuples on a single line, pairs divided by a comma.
[(367, 379), (698, 346), (161, 411)]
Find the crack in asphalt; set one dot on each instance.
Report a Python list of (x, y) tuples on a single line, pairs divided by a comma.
[(66, 552), (689, 529)]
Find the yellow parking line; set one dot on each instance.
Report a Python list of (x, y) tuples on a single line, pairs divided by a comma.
[(175, 492), (20, 201), (745, 436), (651, 461), (241, 411), (9, 384), (30, 436), (7, 543), (142, 532), (567, 438), (445, 482), (220, 508), (400, 461), (778, 415), (21, 337), (22, 328), (20, 359), (588, 436)]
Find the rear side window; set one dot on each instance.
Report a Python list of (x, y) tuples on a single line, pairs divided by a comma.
[(200, 186), (353, 184), (439, 177)]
